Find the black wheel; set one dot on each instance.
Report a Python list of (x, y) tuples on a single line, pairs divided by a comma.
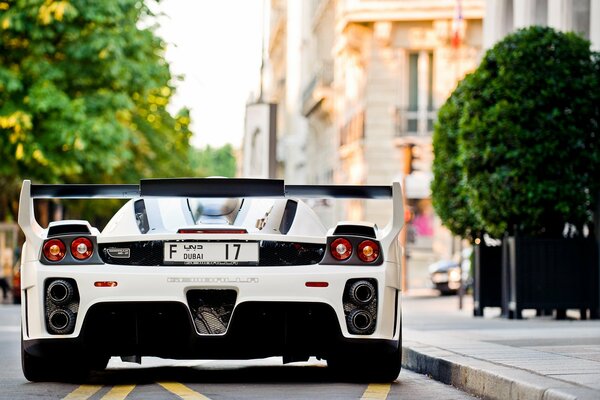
[(35, 369), (371, 367), (46, 369)]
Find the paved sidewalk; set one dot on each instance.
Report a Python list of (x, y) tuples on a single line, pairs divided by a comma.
[(495, 358)]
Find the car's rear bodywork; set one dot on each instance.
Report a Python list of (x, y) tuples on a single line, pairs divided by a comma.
[(212, 269)]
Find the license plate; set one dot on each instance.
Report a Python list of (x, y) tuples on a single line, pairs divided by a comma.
[(211, 253)]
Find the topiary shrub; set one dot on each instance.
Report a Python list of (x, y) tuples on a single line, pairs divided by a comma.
[(528, 134), (448, 191)]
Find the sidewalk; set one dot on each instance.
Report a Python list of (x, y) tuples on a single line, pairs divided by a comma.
[(495, 358)]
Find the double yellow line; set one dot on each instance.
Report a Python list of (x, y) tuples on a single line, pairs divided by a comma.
[(120, 392), (374, 391)]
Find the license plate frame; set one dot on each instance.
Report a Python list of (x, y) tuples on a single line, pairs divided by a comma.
[(211, 253)]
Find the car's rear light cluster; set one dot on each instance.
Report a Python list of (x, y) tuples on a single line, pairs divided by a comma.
[(354, 250), (69, 249)]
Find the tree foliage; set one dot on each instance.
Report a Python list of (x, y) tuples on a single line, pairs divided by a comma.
[(528, 134), (214, 161), (84, 89)]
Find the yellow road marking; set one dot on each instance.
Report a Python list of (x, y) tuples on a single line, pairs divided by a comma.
[(83, 392), (376, 391), (118, 392), (182, 391)]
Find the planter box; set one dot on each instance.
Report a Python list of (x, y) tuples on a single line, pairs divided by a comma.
[(487, 278), (551, 274)]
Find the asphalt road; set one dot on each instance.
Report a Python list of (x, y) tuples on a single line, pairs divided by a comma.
[(170, 379)]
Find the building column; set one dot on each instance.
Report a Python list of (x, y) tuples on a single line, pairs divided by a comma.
[(595, 24), (296, 126), (494, 22), (559, 15), (524, 13), (423, 89)]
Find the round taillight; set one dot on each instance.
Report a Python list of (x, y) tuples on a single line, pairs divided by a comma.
[(54, 250), (82, 248), (341, 249), (368, 251)]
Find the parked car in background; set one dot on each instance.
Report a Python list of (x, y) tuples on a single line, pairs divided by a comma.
[(446, 275)]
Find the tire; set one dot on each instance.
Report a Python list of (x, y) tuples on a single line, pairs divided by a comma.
[(35, 369), (46, 369), (374, 367)]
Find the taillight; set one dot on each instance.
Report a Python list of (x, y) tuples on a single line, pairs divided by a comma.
[(82, 248), (368, 251), (54, 250), (341, 249)]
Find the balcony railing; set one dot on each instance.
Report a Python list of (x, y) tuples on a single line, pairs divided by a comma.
[(411, 122), (314, 91)]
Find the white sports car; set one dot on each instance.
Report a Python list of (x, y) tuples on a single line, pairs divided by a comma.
[(210, 269)]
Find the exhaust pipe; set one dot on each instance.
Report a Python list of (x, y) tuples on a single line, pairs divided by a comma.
[(60, 292), (361, 292), (61, 321), (360, 321)]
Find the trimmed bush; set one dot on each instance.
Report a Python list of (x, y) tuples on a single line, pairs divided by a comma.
[(528, 134), (449, 194)]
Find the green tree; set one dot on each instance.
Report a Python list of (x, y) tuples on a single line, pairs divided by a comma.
[(83, 95), (529, 134), (214, 161), (448, 188)]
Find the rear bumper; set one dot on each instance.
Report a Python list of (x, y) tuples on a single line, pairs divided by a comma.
[(165, 329), (172, 284)]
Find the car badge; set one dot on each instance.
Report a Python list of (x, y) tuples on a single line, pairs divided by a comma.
[(117, 252)]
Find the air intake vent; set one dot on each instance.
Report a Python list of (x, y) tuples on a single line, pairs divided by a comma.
[(67, 229), (355, 230)]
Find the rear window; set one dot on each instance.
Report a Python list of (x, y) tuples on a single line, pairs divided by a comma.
[(214, 210)]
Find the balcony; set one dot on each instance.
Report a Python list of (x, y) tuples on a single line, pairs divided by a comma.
[(411, 123), (318, 88)]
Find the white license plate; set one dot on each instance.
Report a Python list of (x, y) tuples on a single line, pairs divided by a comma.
[(211, 253)]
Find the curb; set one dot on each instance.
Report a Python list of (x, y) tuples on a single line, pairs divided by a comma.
[(486, 379)]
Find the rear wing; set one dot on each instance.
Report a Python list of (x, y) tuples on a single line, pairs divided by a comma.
[(206, 187)]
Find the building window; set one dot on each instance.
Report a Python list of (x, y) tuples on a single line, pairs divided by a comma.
[(416, 119)]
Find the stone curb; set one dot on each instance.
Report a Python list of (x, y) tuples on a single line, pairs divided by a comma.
[(486, 379)]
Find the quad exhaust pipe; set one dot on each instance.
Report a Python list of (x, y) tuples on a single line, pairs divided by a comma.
[(359, 321), (61, 321), (61, 305), (360, 305), (60, 292), (361, 292)]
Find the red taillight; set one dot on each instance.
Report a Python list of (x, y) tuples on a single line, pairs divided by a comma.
[(82, 248), (317, 284), (368, 251), (223, 231), (341, 249), (54, 250)]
